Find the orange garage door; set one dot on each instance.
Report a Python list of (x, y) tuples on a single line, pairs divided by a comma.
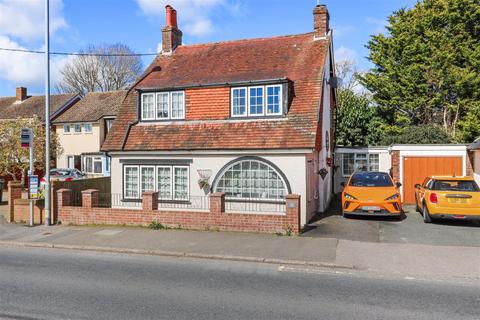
[(416, 169)]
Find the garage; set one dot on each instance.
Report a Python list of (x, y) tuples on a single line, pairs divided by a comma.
[(418, 168), (411, 164)]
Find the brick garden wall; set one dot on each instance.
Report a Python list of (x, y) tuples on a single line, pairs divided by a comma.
[(216, 218)]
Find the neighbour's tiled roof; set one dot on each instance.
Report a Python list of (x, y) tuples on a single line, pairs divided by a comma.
[(298, 58), (93, 107), (33, 106)]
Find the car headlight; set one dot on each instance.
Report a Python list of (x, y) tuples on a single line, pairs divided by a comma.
[(394, 197), (349, 196)]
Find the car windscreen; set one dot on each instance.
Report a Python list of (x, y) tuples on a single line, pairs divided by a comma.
[(371, 179), (455, 185)]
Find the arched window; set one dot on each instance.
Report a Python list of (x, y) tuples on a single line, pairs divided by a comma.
[(251, 178)]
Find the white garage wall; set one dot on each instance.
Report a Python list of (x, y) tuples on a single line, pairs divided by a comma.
[(384, 162)]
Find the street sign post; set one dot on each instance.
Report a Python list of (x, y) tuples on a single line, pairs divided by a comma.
[(33, 191), (27, 142)]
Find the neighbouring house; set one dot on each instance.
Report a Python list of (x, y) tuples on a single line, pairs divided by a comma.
[(82, 130), (25, 106), (251, 119), (408, 164)]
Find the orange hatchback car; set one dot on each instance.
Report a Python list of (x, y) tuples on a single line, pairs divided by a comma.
[(371, 194)]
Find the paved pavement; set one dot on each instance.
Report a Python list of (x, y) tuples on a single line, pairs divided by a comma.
[(49, 284), (411, 229)]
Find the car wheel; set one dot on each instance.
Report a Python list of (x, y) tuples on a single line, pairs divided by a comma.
[(426, 214)]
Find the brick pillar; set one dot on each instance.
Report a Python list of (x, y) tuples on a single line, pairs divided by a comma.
[(293, 205), (14, 192), (217, 203), (150, 201), (470, 160), (395, 171), (90, 198), (64, 197)]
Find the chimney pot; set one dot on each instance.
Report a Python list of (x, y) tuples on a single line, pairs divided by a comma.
[(169, 15), (321, 20), (171, 35), (21, 93)]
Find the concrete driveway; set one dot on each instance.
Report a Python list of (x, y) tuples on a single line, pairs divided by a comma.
[(411, 229)]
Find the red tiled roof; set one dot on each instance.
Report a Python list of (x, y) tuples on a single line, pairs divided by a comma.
[(32, 106), (93, 107), (299, 58)]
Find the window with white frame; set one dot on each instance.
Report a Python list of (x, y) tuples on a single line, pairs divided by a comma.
[(130, 182), (163, 99), (87, 128), (239, 101), (257, 101), (92, 164), (273, 99), (148, 106), (359, 162), (66, 128), (78, 128), (147, 178), (163, 105), (252, 180), (171, 182)]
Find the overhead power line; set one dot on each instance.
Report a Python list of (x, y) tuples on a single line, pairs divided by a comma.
[(81, 53)]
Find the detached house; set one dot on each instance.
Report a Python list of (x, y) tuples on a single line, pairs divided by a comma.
[(250, 118), (82, 129)]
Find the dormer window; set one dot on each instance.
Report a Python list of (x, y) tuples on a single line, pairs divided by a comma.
[(162, 106), (257, 101)]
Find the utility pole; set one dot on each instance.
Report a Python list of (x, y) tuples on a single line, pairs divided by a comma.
[(47, 115)]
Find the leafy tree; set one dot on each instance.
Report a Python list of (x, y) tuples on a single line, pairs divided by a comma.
[(356, 120), (427, 67), (108, 68), (13, 158), (424, 134)]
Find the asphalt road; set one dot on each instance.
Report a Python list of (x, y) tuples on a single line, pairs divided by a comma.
[(55, 284)]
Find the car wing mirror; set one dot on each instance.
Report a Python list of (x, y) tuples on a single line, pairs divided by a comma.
[(398, 184)]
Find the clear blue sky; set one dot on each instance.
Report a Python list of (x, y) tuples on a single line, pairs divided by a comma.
[(137, 23)]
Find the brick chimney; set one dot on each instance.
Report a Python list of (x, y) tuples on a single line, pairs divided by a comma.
[(171, 35), (321, 21), (21, 93)]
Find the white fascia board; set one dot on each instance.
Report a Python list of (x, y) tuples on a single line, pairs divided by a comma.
[(426, 148), (213, 152), (361, 150)]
